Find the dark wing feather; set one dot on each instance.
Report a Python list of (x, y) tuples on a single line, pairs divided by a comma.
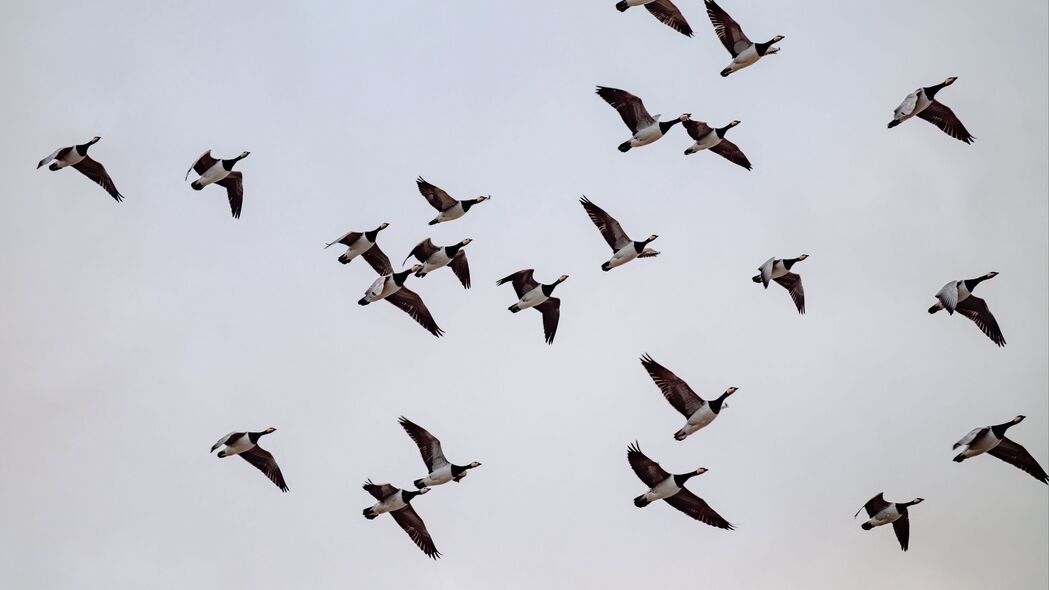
[(630, 107), (264, 462), (379, 491), (409, 302), (429, 446), (1017, 456), (234, 183), (943, 117), (792, 283), (96, 172), (203, 163), (551, 310), (416, 529), (522, 281), (646, 469), (422, 250), (731, 152), (437, 198), (346, 240), (668, 14), (697, 130), (976, 310), (727, 29), (874, 505), (677, 392), (902, 526), (697, 508), (461, 268), (378, 260), (607, 225)]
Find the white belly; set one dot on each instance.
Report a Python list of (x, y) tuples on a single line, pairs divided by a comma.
[(646, 136), (745, 58), (981, 445), (382, 288), (436, 260), (359, 247), (390, 504), (708, 141), (453, 212), (242, 444), (701, 417), (623, 256), (779, 270), (439, 476), (887, 516), (70, 159), (663, 489), (213, 174), (532, 298)]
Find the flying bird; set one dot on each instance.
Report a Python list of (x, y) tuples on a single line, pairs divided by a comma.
[(220, 172), (76, 156), (532, 294), (775, 269), (698, 412), (363, 244), (440, 469), (391, 288), (397, 503), (246, 445), (447, 207), (882, 512), (664, 11), (991, 439), (645, 127), (923, 104), (713, 139), (744, 51), (434, 257), (671, 488), (623, 248), (957, 296)]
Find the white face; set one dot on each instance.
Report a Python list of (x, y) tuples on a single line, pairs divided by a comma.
[(701, 471), (731, 390), (778, 38), (475, 464), (270, 429), (417, 268), (467, 241), (803, 257), (652, 237), (562, 278), (384, 225), (245, 154), (992, 274), (424, 490), (483, 199)]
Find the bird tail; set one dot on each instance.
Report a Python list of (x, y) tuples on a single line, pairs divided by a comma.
[(621, 6), (640, 501), (935, 308), (757, 279), (368, 514), (959, 458), (624, 147), (419, 484), (866, 526), (514, 309), (680, 435), (432, 222), (345, 259), (363, 301), (725, 72), (893, 123), (604, 266)]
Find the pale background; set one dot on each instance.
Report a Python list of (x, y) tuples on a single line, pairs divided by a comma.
[(134, 335)]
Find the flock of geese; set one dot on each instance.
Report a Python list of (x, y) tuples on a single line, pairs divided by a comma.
[(955, 296)]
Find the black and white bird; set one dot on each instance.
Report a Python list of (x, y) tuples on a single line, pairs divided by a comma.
[(991, 439), (698, 412), (531, 293), (882, 513), (645, 127), (76, 156), (246, 445), (363, 244), (434, 257), (744, 51), (440, 469), (220, 172), (671, 488), (664, 11), (447, 207), (391, 288), (623, 248), (923, 104), (713, 139), (775, 269), (398, 503), (957, 296)]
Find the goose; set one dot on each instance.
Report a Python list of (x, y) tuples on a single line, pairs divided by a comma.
[(778, 270), (698, 412), (532, 294), (391, 288), (991, 439), (363, 244), (923, 104), (246, 445), (447, 207), (220, 172), (882, 512), (441, 470), (645, 127), (713, 139), (744, 51), (397, 503), (671, 488), (76, 156), (664, 11), (957, 296), (623, 248), (433, 257)]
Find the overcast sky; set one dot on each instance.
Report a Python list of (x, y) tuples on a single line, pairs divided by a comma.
[(134, 335)]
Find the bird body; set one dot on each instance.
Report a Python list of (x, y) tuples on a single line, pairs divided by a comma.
[(397, 503), (779, 270), (246, 445), (391, 288), (623, 248), (531, 293), (744, 52), (220, 172), (698, 412), (434, 257), (664, 11), (671, 489), (364, 244), (957, 296), (922, 103), (77, 157), (992, 440), (387, 285), (646, 128), (440, 469), (880, 513), (713, 139), (448, 208)]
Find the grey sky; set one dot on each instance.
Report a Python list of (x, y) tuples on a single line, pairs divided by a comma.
[(134, 335)]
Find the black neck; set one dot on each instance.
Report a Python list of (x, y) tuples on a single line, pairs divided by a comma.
[(789, 262), (468, 203), (459, 469), (721, 131), (763, 48), (371, 235), (640, 246), (228, 164), (666, 125), (681, 478), (82, 148), (255, 436), (715, 404), (970, 284), (548, 289), (400, 277), (930, 91), (407, 496), (452, 250), (999, 429)]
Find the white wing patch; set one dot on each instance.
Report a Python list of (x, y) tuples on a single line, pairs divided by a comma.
[(906, 107), (968, 438), (766, 271), (948, 296)]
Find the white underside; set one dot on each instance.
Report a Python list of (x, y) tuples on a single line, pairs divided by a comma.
[(646, 136), (708, 141), (382, 288), (663, 489), (623, 256), (391, 504), (441, 475), (213, 174), (532, 298), (747, 57), (453, 212), (699, 420), (886, 516)]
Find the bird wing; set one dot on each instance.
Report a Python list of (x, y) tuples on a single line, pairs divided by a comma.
[(522, 281), (203, 163), (976, 310), (943, 117), (378, 260), (416, 529), (948, 296), (234, 184), (551, 310), (1017, 456), (630, 107), (264, 462), (874, 505), (731, 152), (668, 14), (646, 469), (674, 389), (379, 491), (969, 438), (697, 130), (53, 155), (346, 240), (437, 198), (907, 106), (697, 508), (727, 29), (766, 271), (96, 172), (429, 446), (902, 526), (422, 251), (409, 302), (461, 268), (226, 439), (607, 225), (792, 283)]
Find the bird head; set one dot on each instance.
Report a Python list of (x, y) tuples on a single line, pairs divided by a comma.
[(916, 501), (730, 391), (243, 155), (483, 198), (778, 38), (701, 471), (950, 80), (382, 226), (269, 430), (94, 140), (803, 257), (423, 491), (417, 268), (685, 117), (651, 238), (466, 241), (473, 465), (1018, 419), (562, 278), (991, 274)]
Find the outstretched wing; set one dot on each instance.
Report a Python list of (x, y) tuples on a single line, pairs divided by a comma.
[(378, 260), (607, 225), (53, 155), (668, 14), (630, 107), (765, 271), (429, 446), (976, 310), (731, 152), (674, 389), (646, 469), (264, 462), (907, 106), (874, 505), (437, 198), (97, 173), (948, 296), (409, 302), (416, 529), (1017, 456), (902, 526), (461, 268), (728, 30), (234, 183), (694, 506), (551, 310), (969, 438), (697, 130), (422, 251), (346, 240), (943, 117), (792, 283), (521, 280), (379, 491), (203, 163)]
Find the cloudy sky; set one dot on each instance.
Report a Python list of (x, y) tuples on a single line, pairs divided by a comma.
[(134, 335)]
